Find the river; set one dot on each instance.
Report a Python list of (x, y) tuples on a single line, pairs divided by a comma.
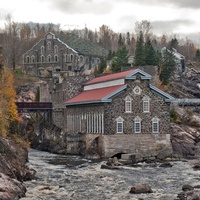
[(64, 177)]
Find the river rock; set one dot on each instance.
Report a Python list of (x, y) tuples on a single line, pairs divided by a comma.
[(187, 188), (11, 189), (193, 195), (29, 174), (141, 188), (167, 164)]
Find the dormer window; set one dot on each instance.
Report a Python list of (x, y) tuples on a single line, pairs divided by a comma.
[(146, 104), (128, 104), (120, 122)]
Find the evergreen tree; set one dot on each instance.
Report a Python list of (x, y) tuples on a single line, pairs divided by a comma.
[(102, 66), (139, 51), (173, 44), (197, 55), (120, 61), (120, 41), (168, 66), (150, 54)]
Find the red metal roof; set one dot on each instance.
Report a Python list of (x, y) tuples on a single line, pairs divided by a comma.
[(110, 77), (95, 95)]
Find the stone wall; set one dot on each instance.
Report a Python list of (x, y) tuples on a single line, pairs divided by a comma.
[(58, 93), (158, 108), (149, 144)]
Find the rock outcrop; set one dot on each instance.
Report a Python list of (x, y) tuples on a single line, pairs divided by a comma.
[(13, 169)]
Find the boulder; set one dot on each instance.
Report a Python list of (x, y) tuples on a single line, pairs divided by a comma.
[(141, 188), (29, 174), (187, 188), (167, 164), (11, 189)]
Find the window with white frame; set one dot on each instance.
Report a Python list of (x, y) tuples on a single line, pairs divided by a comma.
[(49, 45), (49, 58), (32, 59), (81, 58), (128, 104), (42, 50), (146, 104), (42, 58), (56, 58), (65, 57), (137, 125), (155, 125), (28, 59), (71, 58), (120, 122), (56, 49)]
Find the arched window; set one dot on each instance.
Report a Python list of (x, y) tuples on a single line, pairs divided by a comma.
[(146, 104), (71, 57), (120, 122), (49, 45), (56, 49), (128, 104), (42, 50), (137, 125), (56, 58), (81, 58), (155, 125), (49, 58), (32, 59), (42, 58), (28, 59), (65, 57)]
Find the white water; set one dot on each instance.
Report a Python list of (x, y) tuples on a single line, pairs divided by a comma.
[(72, 177)]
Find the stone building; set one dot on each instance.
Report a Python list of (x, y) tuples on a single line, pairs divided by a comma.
[(120, 103), (51, 56)]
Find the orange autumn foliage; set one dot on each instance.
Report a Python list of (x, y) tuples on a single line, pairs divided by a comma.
[(8, 109)]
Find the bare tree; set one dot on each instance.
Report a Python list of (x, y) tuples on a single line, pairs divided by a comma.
[(144, 27)]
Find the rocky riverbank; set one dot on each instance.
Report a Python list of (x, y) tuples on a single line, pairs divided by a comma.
[(13, 169), (64, 177)]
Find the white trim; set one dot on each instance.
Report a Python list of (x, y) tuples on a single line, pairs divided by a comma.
[(120, 125), (137, 125)]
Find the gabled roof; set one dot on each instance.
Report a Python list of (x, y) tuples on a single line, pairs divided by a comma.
[(105, 94), (83, 46), (130, 74), (161, 93), (96, 95)]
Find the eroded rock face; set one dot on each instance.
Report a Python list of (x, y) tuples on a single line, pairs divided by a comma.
[(13, 169), (11, 189)]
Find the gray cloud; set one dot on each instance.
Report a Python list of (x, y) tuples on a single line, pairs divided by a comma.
[(81, 6), (195, 4), (169, 26)]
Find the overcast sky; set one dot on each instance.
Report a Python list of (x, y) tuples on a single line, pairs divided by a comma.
[(166, 16)]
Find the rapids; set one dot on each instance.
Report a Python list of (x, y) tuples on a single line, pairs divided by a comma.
[(64, 177)]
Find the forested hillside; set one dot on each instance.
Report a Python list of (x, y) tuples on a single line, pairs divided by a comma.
[(17, 38)]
